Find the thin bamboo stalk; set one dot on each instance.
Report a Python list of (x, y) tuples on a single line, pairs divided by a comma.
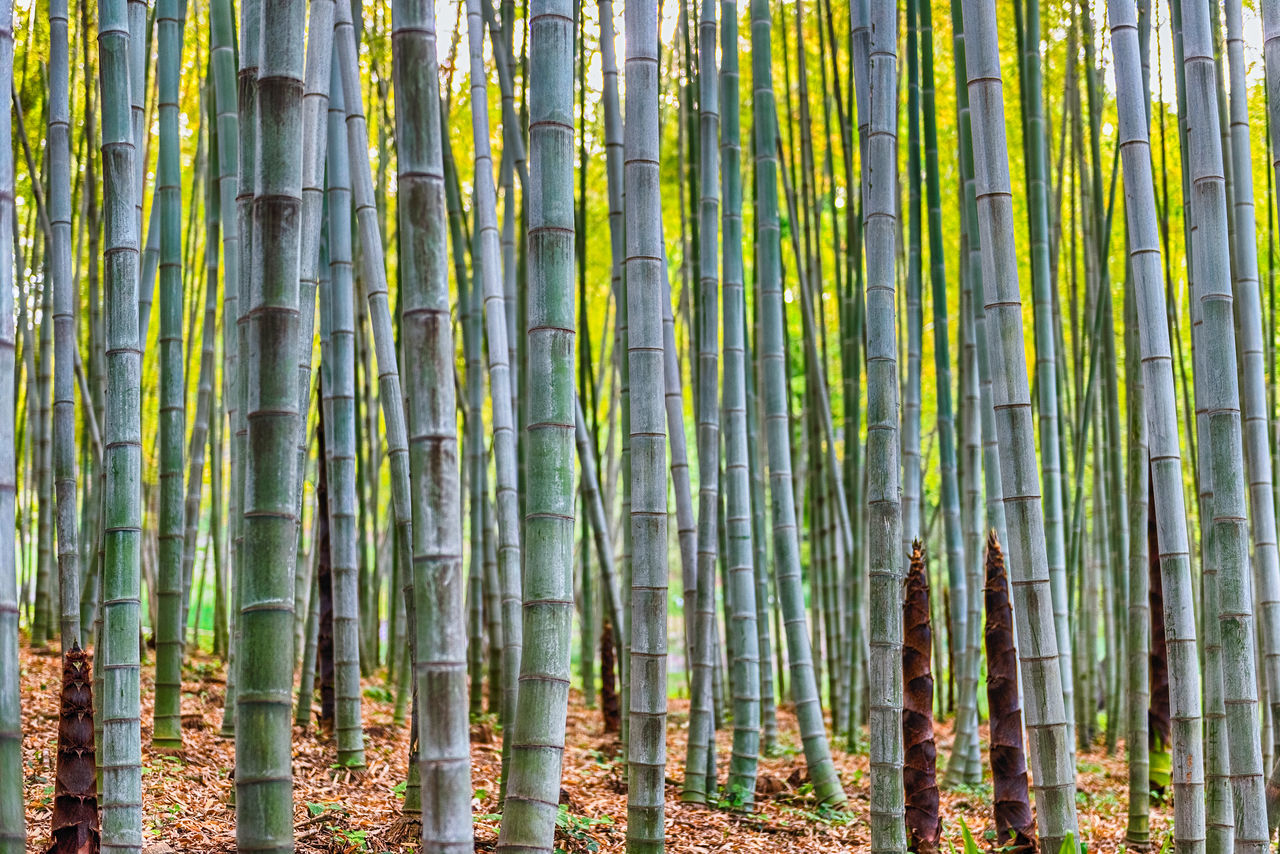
[(13, 834)]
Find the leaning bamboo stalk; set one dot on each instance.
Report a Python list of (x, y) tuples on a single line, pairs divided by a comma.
[(1046, 719), (315, 143), (599, 521), (804, 687), (1169, 507), (341, 440), (488, 265), (374, 276), (1046, 356), (701, 746)]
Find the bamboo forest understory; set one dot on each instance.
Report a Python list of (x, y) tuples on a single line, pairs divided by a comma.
[(540, 426)]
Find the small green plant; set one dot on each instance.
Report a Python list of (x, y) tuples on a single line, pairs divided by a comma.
[(355, 840), (316, 808), (576, 828), (970, 847), (734, 797), (1069, 846), (399, 788), (379, 693)]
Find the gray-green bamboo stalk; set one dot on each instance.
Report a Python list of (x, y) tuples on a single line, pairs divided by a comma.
[(264, 776), (1215, 340), (1169, 506), (701, 745), (1257, 440), (884, 546), (13, 834), (537, 739), (444, 756), (1052, 756), (118, 653), (64, 343), (744, 627), (647, 745), (373, 272)]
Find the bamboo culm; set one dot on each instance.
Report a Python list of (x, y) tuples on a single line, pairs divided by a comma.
[(1052, 756), (118, 650), (444, 757), (537, 739), (1169, 507)]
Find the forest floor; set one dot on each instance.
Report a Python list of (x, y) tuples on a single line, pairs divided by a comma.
[(186, 797)]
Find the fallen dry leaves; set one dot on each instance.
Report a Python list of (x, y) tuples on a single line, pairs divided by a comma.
[(187, 797)]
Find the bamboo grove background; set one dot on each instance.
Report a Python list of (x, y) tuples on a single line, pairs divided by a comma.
[(842, 180)]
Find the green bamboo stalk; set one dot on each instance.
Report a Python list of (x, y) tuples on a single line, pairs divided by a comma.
[(340, 440), (167, 730), (264, 778), (1166, 462), (489, 281), (13, 836), (205, 404), (249, 45), (1271, 55), (745, 625), (1138, 610), (139, 24), (64, 429), (950, 490), (647, 660), (884, 546), (598, 520), (471, 306), (46, 609), (804, 688), (760, 546), (686, 525), (307, 678), (537, 740), (1257, 440), (1052, 762), (701, 745), (440, 647), (910, 527), (1216, 351), (118, 653)]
